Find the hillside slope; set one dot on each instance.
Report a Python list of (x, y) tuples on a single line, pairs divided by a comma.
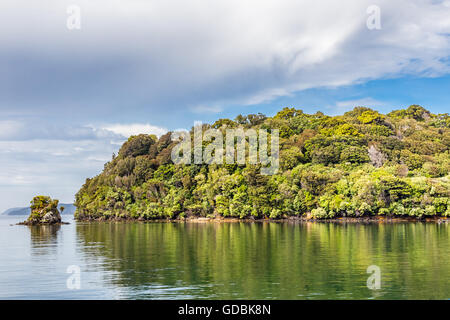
[(361, 163)]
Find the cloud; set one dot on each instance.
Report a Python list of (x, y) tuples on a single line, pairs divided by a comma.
[(171, 55), (43, 157), (128, 130), (343, 106), (9, 128), (41, 129), (20, 130), (44, 166), (206, 109)]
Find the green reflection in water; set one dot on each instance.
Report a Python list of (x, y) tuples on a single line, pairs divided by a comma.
[(271, 260)]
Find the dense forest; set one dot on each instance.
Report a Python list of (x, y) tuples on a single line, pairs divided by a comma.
[(362, 163)]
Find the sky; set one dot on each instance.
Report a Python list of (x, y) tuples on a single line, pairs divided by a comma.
[(70, 96)]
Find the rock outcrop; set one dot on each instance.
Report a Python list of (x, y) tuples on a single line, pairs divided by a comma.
[(44, 210)]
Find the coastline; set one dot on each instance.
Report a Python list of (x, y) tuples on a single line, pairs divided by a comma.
[(363, 220), (27, 223)]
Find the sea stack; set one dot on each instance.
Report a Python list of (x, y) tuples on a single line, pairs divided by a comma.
[(44, 210)]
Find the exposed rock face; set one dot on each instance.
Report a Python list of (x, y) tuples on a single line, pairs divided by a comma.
[(44, 210), (51, 217), (377, 158)]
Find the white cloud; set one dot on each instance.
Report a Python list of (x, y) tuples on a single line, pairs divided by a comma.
[(9, 128), (340, 107), (42, 129), (180, 53), (128, 130), (55, 159), (15, 130), (54, 167), (206, 109), (347, 105)]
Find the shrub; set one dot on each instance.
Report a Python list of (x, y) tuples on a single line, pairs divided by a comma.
[(319, 213)]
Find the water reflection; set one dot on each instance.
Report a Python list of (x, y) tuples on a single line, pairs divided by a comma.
[(268, 260), (44, 239)]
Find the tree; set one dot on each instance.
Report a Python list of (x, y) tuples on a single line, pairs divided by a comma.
[(137, 145)]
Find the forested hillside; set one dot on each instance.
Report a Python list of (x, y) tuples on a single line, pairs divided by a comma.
[(361, 163)]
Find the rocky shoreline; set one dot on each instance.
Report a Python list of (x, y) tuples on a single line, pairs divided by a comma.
[(32, 223), (371, 219)]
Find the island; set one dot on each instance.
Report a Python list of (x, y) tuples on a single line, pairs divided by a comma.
[(44, 211), (359, 165)]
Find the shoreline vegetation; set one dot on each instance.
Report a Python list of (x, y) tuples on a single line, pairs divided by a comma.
[(362, 165), (292, 219)]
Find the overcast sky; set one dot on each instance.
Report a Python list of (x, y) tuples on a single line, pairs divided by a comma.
[(69, 97)]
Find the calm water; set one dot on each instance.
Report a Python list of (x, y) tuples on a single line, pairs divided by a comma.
[(224, 261)]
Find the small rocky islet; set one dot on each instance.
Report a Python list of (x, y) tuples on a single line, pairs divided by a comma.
[(44, 211)]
